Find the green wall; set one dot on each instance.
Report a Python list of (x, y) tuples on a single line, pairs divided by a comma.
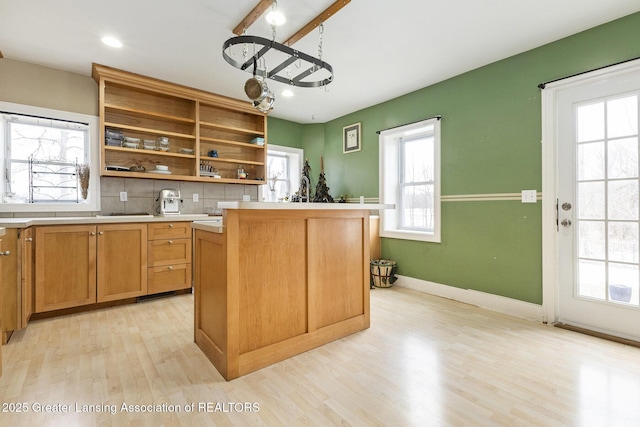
[(283, 132), (491, 132)]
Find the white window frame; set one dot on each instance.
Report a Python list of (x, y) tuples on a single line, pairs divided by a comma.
[(295, 156), (93, 202), (389, 188)]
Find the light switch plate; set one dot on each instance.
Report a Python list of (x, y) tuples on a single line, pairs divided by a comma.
[(196, 197), (529, 196), (123, 196), (246, 198)]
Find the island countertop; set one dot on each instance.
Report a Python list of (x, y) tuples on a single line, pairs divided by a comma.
[(304, 206)]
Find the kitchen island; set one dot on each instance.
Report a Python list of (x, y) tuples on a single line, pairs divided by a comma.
[(278, 279)]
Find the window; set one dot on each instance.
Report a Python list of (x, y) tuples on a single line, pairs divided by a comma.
[(284, 166), (410, 179), (46, 155)]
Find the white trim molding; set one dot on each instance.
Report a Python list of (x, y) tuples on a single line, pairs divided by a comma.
[(485, 197), (497, 303)]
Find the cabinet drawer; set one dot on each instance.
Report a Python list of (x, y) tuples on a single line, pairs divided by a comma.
[(169, 278), (169, 251), (169, 230)]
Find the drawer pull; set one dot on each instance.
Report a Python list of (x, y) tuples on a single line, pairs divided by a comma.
[(5, 253), (170, 225), (170, 267), (171, 242)]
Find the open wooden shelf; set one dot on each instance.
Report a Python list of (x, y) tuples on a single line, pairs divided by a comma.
[(147, 108)]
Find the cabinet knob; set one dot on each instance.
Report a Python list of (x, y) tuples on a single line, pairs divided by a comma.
[(170, 267), (29, 239), (5, 253), (93, 233), (170, 225), (101, 233), (171, 242)]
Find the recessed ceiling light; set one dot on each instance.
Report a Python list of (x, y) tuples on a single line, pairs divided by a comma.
[(287, 93), (111, 41)]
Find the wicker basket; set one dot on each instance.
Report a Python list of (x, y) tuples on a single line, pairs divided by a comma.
[(382, 273)]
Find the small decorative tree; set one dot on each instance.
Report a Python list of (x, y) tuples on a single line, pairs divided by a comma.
[(301, 194), (322, 191)]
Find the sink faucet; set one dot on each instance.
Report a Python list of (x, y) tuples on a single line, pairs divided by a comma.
[(306, 180)]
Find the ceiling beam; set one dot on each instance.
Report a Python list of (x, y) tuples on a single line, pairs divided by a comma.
[(315, 22), (252, 17)]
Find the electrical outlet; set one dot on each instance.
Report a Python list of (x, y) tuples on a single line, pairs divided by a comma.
[(529, 196), (195, 198), (246, 198), (123, 196)]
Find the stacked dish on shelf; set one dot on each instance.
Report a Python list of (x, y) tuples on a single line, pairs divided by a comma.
[(131, 142), (113, 137), (258, 140)]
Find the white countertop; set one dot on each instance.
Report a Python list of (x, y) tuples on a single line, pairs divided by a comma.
[(304, 206), (214, 226), (106, 219)]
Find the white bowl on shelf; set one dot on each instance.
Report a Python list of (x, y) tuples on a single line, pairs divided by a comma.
[(162, 167)]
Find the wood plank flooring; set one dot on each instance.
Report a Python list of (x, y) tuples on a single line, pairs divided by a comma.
[(425, 361)]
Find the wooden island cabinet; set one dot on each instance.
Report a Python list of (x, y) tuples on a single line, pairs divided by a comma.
[(278, 280)]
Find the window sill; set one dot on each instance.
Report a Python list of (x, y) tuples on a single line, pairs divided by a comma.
[(411, 235)]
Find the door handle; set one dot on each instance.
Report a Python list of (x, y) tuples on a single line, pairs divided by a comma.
[(566, 222)]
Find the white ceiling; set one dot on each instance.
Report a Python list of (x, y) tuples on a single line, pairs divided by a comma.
[(378, 49)]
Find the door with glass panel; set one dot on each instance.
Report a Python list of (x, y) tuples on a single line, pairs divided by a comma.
[(598, 198)]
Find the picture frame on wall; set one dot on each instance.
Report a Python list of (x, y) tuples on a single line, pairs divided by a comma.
[(351, 138)]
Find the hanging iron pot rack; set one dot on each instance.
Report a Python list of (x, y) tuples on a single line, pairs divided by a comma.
[(314, 72)]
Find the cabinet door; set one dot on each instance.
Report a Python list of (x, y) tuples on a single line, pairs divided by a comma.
[(65, 262), (27, 275), (10, 283), (122, 261)]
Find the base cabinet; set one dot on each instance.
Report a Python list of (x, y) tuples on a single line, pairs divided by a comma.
[(1, 301), (17, 280), (84, 264), (169, 254)]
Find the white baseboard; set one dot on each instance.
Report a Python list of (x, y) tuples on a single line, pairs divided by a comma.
[(500, 304)]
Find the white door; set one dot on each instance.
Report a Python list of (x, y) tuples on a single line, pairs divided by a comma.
[(598, 205)]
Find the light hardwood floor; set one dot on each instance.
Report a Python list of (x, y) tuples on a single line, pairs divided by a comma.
[(425, 361)]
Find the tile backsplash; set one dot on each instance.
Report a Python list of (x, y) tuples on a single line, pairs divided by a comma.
[(142, 195)]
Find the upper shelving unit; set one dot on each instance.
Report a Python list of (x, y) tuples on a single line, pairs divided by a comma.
[(208, 135)]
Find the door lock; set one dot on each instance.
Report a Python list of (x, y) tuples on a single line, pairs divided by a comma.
[(566, 206), (566, 222)]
